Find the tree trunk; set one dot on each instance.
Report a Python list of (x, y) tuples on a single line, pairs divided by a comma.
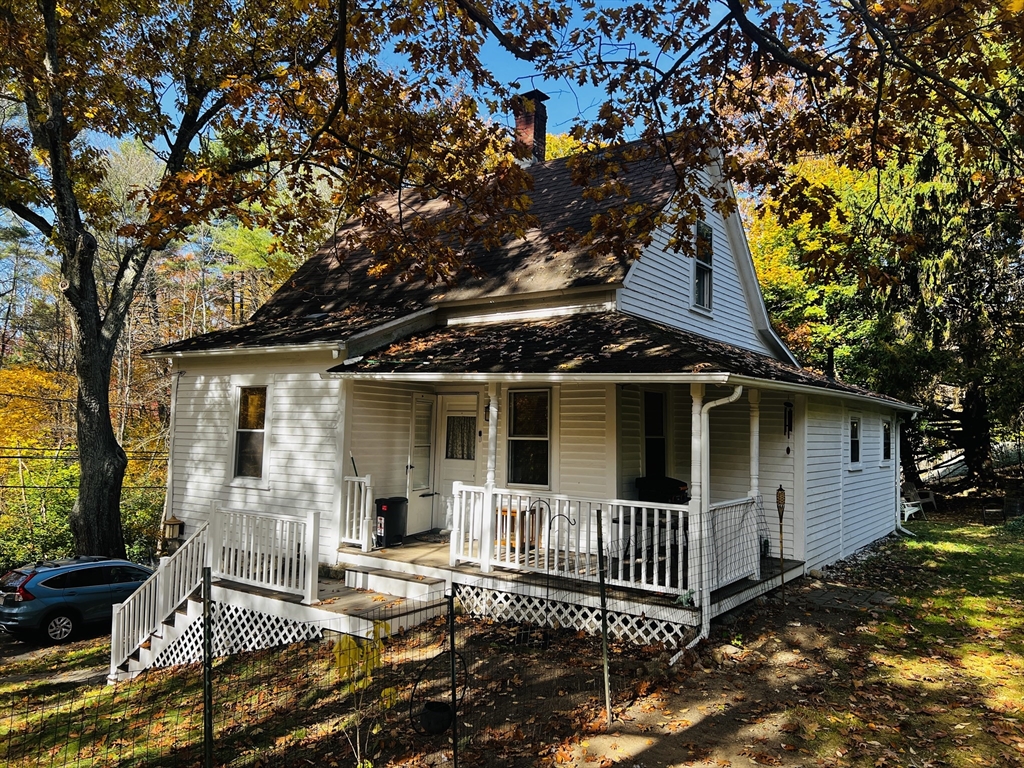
[(976, 433)]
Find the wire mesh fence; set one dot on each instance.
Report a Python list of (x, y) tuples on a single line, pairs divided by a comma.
[(519, 690)]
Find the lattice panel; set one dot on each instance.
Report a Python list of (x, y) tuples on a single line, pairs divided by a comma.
[(235, 630), (507, 606)]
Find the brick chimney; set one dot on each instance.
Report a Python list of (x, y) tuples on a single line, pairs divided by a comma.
[(531, 123)]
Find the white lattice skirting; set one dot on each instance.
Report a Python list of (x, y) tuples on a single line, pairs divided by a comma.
[(538, 611), (235, 630)]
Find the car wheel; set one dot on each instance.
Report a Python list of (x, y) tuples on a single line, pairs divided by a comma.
[(59, 627)]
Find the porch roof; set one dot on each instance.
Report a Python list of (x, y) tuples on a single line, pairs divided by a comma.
[(597, 345)]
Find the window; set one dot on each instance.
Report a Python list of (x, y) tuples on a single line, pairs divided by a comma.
[(654, 434), (460, 438), (251, 433), (702, 266), (87, 577), (528, 437), (855, 441), (886, 440)]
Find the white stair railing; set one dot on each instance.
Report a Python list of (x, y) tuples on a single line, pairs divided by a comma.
[(357, 512), (268, 550), (137, 618)]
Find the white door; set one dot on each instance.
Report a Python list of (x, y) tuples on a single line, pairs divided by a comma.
[(420, 469), (459, 442)]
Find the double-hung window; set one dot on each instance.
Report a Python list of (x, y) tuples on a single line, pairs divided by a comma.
[(251, 431), (702, 266), (855, 441), (529, 437)]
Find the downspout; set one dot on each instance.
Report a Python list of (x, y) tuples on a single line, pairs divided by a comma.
[(897, 465), (704, 503)]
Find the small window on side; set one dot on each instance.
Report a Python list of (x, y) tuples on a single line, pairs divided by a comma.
[(855, 441), (249, 438), (886, 441), (703, 265)]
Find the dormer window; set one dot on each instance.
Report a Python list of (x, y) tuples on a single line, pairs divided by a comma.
[(702, 266)]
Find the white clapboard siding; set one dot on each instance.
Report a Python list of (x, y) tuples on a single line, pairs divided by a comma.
[(824, 491), (868, 491), (379, 441), (629, 439), (583, 432), (659, 287), (680, 408), (777, 468), (301, 450), (730, 447)]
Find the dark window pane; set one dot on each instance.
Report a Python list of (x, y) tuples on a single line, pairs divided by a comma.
[(886, 441), (121, 574), (249, 455), (654, 457), (854, 442), (529, 416), (252, 407), (56, 582), (528, 462), (705, 242), (88, 577), (460, 439), (654, 414)]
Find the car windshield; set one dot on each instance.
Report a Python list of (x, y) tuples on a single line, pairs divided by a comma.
[(11, 581)]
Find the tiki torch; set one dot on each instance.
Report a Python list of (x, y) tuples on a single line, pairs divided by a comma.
[(780, 502)]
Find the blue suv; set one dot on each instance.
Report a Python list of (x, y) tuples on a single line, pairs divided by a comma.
[(54, 598)]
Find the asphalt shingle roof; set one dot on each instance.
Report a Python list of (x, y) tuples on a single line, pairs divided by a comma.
[(333, 295), (599, 343)]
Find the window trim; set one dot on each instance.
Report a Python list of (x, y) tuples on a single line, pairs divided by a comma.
[(237, 481), (851, 421), (884, 460), (549, 439), (702, 267)]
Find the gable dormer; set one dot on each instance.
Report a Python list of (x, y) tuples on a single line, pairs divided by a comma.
[(713, 293)]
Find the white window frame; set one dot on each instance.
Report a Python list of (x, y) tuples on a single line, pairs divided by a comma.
[(855, 424), (884, 461), (509, 437), (703, 271), (238, 481)]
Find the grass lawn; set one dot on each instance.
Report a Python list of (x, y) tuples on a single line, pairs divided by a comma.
[(936, 679)]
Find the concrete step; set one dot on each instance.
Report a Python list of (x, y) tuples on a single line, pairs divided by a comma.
[(395, 584)]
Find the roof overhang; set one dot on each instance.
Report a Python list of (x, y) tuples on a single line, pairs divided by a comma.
[(336, 348), (720, 378)]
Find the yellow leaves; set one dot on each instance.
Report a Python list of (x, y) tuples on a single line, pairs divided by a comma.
[(29, 400), (1015, 6)]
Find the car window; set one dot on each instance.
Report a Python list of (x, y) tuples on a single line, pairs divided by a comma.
[(119, 574), (55, 582), (87, 577), (12, 580)]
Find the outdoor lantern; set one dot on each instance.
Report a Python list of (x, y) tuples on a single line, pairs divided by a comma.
[(173, 528), (780, 501)]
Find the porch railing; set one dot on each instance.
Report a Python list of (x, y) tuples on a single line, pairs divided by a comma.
[(646, 546), (267, 550), (736, 553), (177, 577), (665, 548), (357, 512)]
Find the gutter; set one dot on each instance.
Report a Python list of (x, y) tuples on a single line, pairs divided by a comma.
[(704, 500), (336, 348)]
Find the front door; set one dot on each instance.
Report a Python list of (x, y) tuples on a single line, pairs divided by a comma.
[(420, 469), (458, 444)]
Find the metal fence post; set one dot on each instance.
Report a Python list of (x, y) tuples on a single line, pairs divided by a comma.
[(207, 672), (455, 684)]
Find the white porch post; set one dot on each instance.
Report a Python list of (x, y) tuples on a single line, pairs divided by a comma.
[(487, 528), (312, 558), (696, 516), (754, 396)]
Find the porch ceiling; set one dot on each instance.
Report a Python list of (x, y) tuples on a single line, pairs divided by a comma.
[(607, 343)]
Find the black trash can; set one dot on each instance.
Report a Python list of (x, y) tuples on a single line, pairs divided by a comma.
[(392, 512)]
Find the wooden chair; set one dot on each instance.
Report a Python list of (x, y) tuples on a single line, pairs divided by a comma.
[(922, 498), (1013, 506)]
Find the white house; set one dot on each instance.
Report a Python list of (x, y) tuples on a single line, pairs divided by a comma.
[(515, 412)]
